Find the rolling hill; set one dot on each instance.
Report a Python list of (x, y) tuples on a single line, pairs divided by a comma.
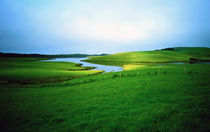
[(177, 54)]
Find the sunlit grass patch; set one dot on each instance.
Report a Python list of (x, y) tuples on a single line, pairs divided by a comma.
[(132, 67)]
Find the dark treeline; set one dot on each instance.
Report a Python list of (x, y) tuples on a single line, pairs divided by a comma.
[(48, 56)]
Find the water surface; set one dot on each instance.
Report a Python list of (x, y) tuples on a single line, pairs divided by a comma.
[(181, 63)]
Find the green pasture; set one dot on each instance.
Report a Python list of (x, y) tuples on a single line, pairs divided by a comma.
[(166, 99), (32, 70), (40, 96)]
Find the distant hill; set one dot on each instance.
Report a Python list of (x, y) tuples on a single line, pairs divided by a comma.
[(48, 56), (197, 52), (176, 54)]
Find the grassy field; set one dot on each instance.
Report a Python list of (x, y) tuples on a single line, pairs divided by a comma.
[(32, 70), (168, 98)]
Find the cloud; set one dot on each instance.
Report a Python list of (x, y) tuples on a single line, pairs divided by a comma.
[(82, 28)]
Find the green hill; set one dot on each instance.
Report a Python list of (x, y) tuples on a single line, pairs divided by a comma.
[(178, 54), (197, 52)]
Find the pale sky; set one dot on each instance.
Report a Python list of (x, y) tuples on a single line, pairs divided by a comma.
[(102, 26)]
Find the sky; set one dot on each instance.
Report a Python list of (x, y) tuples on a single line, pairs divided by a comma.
[(102, 26)]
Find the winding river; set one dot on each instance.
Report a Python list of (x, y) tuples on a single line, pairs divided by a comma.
[(105, 68)]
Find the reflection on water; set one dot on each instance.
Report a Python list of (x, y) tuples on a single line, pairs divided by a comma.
[(105, 68), (163, 64), (199, 62)]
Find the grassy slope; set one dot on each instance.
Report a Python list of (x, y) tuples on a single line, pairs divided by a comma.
[(31, 70), (181, 54), (197, 52), (168, 100)]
